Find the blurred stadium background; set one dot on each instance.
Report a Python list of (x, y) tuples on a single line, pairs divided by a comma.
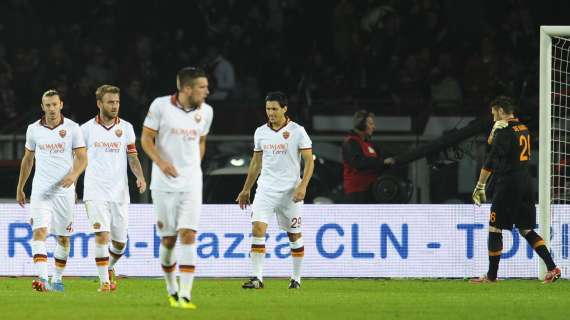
[(423, 67), (426, 68)]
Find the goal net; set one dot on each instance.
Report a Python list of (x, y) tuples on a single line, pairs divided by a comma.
[(554, 157)]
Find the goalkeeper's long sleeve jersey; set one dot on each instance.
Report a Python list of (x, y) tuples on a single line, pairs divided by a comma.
[(510, 150)]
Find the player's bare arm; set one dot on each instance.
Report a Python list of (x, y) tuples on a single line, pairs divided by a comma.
[(252, 174), (79, 165), (25, 170), (149, 146), (301, 189), (136, 169), (202, 147)]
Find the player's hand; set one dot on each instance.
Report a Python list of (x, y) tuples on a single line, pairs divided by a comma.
[(141, 184), (389, 161), (479, 194), (243, 199), (168, 168), (68, 180), (500, 124), (299, 194), (21, 197)]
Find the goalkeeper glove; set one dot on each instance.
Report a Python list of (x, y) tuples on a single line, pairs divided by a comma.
[(479, 194), (501, 124)]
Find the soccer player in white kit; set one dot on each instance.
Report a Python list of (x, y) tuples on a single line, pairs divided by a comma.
[(278, 148), (174, 137), (111, 144), (58, 147)]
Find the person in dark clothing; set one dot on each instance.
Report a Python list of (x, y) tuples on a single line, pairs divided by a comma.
[(362, 163), (513, 200)]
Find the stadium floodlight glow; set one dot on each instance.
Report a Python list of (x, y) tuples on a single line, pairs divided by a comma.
[(237, 162), (554, 153)]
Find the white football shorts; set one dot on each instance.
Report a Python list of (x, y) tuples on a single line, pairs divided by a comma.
[(54, 213), (112, 217), (288, 213), (177, 210)]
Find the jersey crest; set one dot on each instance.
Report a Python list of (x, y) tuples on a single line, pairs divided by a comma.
[(62, 133), (119, 132), (286, 134)]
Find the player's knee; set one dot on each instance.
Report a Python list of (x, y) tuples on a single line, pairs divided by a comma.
[(258, 229), (169, 242), (524, 232), (294, 236), (533, 238), (102, 237), (63, 241), (187, 236), (495, 229), (40, 234), (119, 245)]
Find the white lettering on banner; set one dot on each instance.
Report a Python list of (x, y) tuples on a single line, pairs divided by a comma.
[(340, 241)]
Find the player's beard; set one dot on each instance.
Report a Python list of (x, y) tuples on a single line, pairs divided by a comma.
[(110, 115), (194, 104)]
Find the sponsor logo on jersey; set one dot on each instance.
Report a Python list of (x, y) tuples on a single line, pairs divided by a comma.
[(286, 134), (187, 134), (276, 148), (53, 147), (119, 132), (62, 133), (108, 146)]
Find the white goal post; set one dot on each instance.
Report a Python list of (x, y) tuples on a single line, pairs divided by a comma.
[(554, 102)]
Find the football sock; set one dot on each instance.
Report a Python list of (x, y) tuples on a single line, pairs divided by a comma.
[(495, 246), (102, 261), (39, 254), (168, 261), (114, 255), (186, 266), (538, 245), (60, 256), (297, 253), (257, 256)]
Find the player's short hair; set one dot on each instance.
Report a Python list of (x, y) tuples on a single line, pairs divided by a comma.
[(187, 75), (51, 93), (106, 88), (359, 119), (279, 97), (504, 102)]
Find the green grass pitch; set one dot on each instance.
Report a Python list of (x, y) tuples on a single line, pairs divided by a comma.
[(317, 299)]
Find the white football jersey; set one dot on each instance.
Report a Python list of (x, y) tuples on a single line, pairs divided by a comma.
[(281, 160), (178, 141), (53, 149), (106, 176)]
